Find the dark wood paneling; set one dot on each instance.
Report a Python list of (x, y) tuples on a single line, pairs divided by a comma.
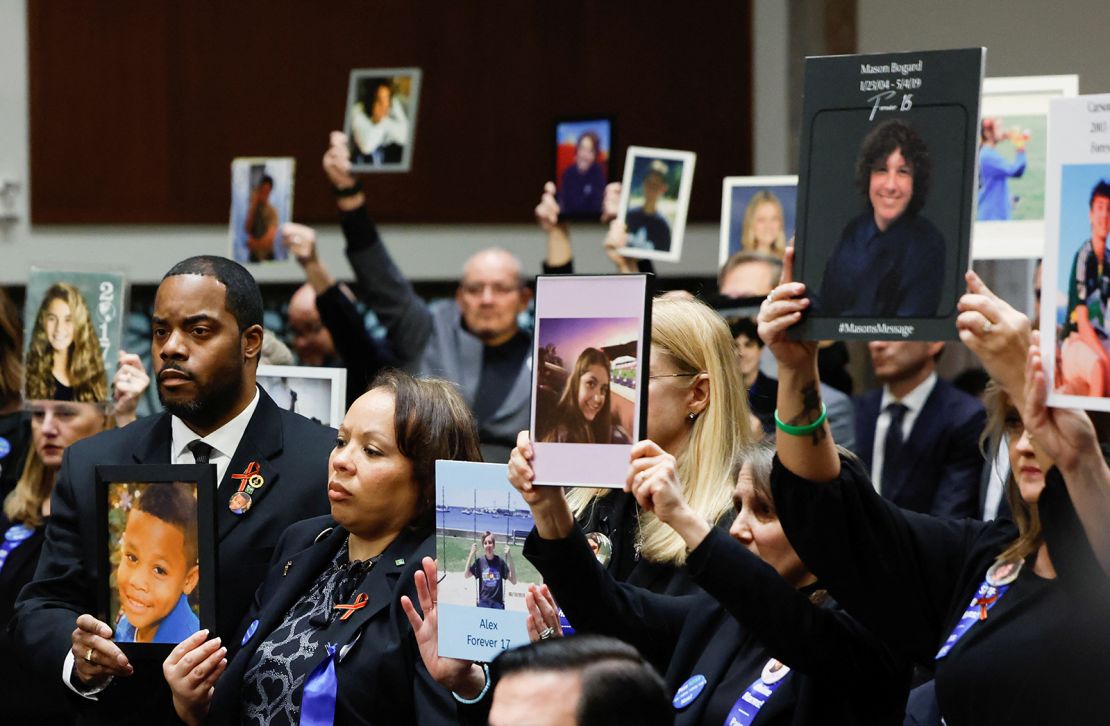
[(138, 107)]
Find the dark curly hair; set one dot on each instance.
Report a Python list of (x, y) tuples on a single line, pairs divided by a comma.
[(879, 143)]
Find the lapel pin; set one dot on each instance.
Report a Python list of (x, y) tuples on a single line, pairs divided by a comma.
[(249, 480)]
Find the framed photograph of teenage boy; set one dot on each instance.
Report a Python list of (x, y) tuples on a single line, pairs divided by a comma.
[(583, 165), (757, 214), (1009, 212), (381, 118), (589, 376), (315, 393), (156, 554), (886, 191), (72, 328), (261, 201), (481, 525), (1075, 293), (655, 194)]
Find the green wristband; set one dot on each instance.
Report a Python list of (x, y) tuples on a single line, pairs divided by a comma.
[(802, 430)]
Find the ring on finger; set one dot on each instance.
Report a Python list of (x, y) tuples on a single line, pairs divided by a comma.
[(987, 327), (547, 633), (88, 655)]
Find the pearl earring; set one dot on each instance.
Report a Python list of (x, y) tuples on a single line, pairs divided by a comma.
[(692, 416)]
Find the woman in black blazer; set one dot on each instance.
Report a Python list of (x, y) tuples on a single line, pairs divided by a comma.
[(763, 637), (326, 640)]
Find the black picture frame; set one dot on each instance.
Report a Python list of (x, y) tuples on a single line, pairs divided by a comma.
[(201, 478), (609, 165), (936, 94), (583, 312)]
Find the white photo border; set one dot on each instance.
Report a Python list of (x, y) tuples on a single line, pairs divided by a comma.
[(688, 159), (731, 182), (337, 376), (1063, 150), (1024, 96), (414, 112)]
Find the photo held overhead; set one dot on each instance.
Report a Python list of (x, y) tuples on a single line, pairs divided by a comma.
[(886, 189), (589, 376)]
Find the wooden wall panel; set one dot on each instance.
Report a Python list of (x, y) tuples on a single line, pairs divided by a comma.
[(137, 108)]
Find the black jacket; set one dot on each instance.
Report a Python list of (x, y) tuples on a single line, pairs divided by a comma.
[(382, 679), (293, 454)]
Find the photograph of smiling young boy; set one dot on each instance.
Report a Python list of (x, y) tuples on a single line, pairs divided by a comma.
[(72, 335), (889, 260), (582, 158), (886, 190), (655, 194), (154, 549)]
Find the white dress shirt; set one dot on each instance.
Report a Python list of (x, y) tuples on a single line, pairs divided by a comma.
[(224, 441), (914, 401)]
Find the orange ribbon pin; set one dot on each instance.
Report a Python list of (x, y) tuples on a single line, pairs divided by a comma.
[(252, 470), (349, 608)]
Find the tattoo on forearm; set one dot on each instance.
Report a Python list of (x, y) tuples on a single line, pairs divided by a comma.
[(811, 409)]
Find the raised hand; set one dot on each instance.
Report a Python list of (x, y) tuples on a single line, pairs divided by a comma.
[(781, 310), (996, 333), (461, 676), (549, 507), (543, 614), (547, 211), (128, 385)]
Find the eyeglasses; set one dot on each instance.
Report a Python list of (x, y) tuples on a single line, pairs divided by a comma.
[(675, 375), (476, 288)]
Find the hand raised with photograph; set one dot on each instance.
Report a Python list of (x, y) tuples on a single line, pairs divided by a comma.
[(611, 202), (995, 332), (128, 385), (548, 504), (547, 211), (300, 240), (782, 310), (615, 240), (337, 161)]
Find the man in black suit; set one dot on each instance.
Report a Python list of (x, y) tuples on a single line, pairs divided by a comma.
[(918, 434), (206, 337)]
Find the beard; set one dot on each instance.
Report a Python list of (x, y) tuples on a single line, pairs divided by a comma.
[(212, 401)]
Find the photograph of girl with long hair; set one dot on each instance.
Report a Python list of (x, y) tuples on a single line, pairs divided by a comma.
[(697, 413), (64, 359), (764, 227), (584, 414)]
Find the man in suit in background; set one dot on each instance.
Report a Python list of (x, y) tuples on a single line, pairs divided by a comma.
[(918, 434), (206, 338)]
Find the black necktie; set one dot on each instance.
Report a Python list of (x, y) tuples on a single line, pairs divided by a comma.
[(202, 452), (892, 447)]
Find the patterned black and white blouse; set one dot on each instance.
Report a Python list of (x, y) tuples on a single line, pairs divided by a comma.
[(274, 680)]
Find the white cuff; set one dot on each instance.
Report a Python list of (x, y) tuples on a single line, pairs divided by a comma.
[(67, 674)]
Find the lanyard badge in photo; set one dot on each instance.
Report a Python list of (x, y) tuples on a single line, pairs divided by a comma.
[(995, 584)]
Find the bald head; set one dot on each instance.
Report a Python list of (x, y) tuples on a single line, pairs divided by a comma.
[(311, 339), (493, 260), (491, 294)]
